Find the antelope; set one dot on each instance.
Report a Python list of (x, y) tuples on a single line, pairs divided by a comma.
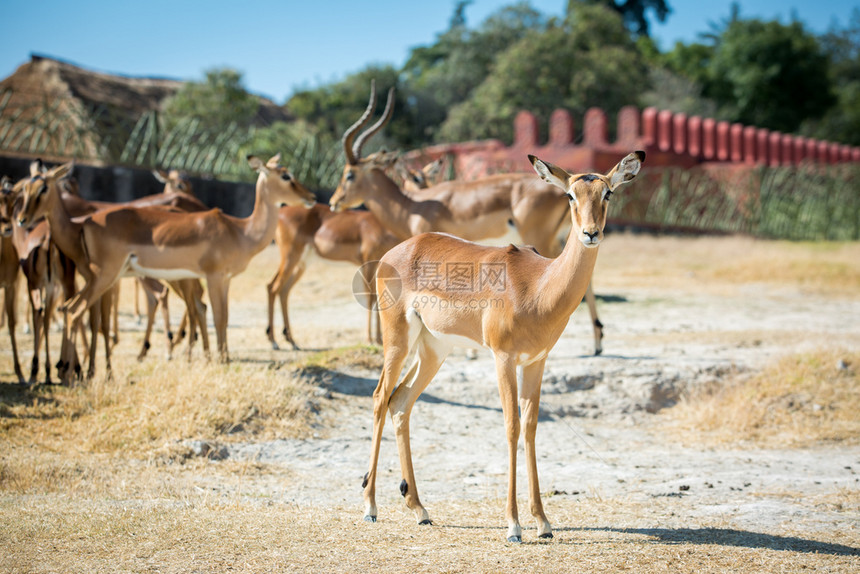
[(174, 181), (474, 210), (175, 196), (510, 300), (9, 270), (46, 270), (352, 236), (417, 179), (163, 244)]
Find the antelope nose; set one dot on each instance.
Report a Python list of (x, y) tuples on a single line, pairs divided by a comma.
[(592, 235)]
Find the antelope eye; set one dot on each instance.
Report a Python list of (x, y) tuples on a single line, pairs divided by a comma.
[(350, 176), (286, 176)]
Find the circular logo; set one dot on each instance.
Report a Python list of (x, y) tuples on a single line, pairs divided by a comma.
[(373, 274)]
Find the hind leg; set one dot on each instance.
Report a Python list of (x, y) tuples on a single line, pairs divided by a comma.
[(430, 355)]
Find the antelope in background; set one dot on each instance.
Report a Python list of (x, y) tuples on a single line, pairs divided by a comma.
[(474, 210), (163, 244)]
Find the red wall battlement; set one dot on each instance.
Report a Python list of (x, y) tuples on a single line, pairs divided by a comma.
[(668, 138)]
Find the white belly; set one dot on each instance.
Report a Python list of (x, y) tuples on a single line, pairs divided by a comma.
[(134, 268)]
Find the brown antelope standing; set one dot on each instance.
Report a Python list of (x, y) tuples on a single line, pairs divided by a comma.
[(50, 277), (474, 210), (352, 236), (175, 196), (9, 270), (164, 244), (515, 303)]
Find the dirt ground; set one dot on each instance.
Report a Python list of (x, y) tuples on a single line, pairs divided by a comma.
[(598, 434), (612, 463)]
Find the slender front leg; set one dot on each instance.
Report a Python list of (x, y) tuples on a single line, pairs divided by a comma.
[(37, 316), (284, 296), (151, 304), (591, 301), (530, 410), (10, 312), (218, 291), (195, 290), (506, 371)]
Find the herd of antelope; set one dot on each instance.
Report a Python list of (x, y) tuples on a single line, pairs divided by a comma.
[(515, 301)]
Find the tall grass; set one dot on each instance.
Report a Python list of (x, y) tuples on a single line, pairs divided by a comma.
[(810, 202)]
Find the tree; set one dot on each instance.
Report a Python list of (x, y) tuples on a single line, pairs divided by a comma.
[(770, 75), (217, 102), (587, 60), (633, 11), (842, 121), (333, 108), (446, 73)]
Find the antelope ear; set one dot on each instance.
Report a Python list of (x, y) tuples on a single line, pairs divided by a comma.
[(161, 175), (61, 171), (626, 169), (274, 161), (388, 158), (257, 164), (433, 168), (36, 167), (402, 170), (551, 173)]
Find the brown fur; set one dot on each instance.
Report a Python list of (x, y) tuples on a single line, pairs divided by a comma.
[(206, 244)]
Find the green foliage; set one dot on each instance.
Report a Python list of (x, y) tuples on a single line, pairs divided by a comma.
[(333, 108), (589, 60), (216, 102), (633, 11), (770, 75), (842, 121), (314, 158)]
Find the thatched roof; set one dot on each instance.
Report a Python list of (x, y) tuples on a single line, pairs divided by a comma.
[(58, 109)]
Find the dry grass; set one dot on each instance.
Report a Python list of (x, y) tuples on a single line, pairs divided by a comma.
[(798, 401), (56, 534), (148, 407), (708, 263)]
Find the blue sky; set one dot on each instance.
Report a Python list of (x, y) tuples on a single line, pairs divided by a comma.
[(283, 46)]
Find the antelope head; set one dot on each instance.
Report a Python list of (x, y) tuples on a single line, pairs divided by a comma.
[(39, 191), (589, 193), (415, 179), (279, 183), (7, 200), (174, 181), (358, 172)]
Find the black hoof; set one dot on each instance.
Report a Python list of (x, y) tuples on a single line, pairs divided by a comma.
[(597, 352), (515, 539), (546, 535), (369, 518), (426, 521)]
